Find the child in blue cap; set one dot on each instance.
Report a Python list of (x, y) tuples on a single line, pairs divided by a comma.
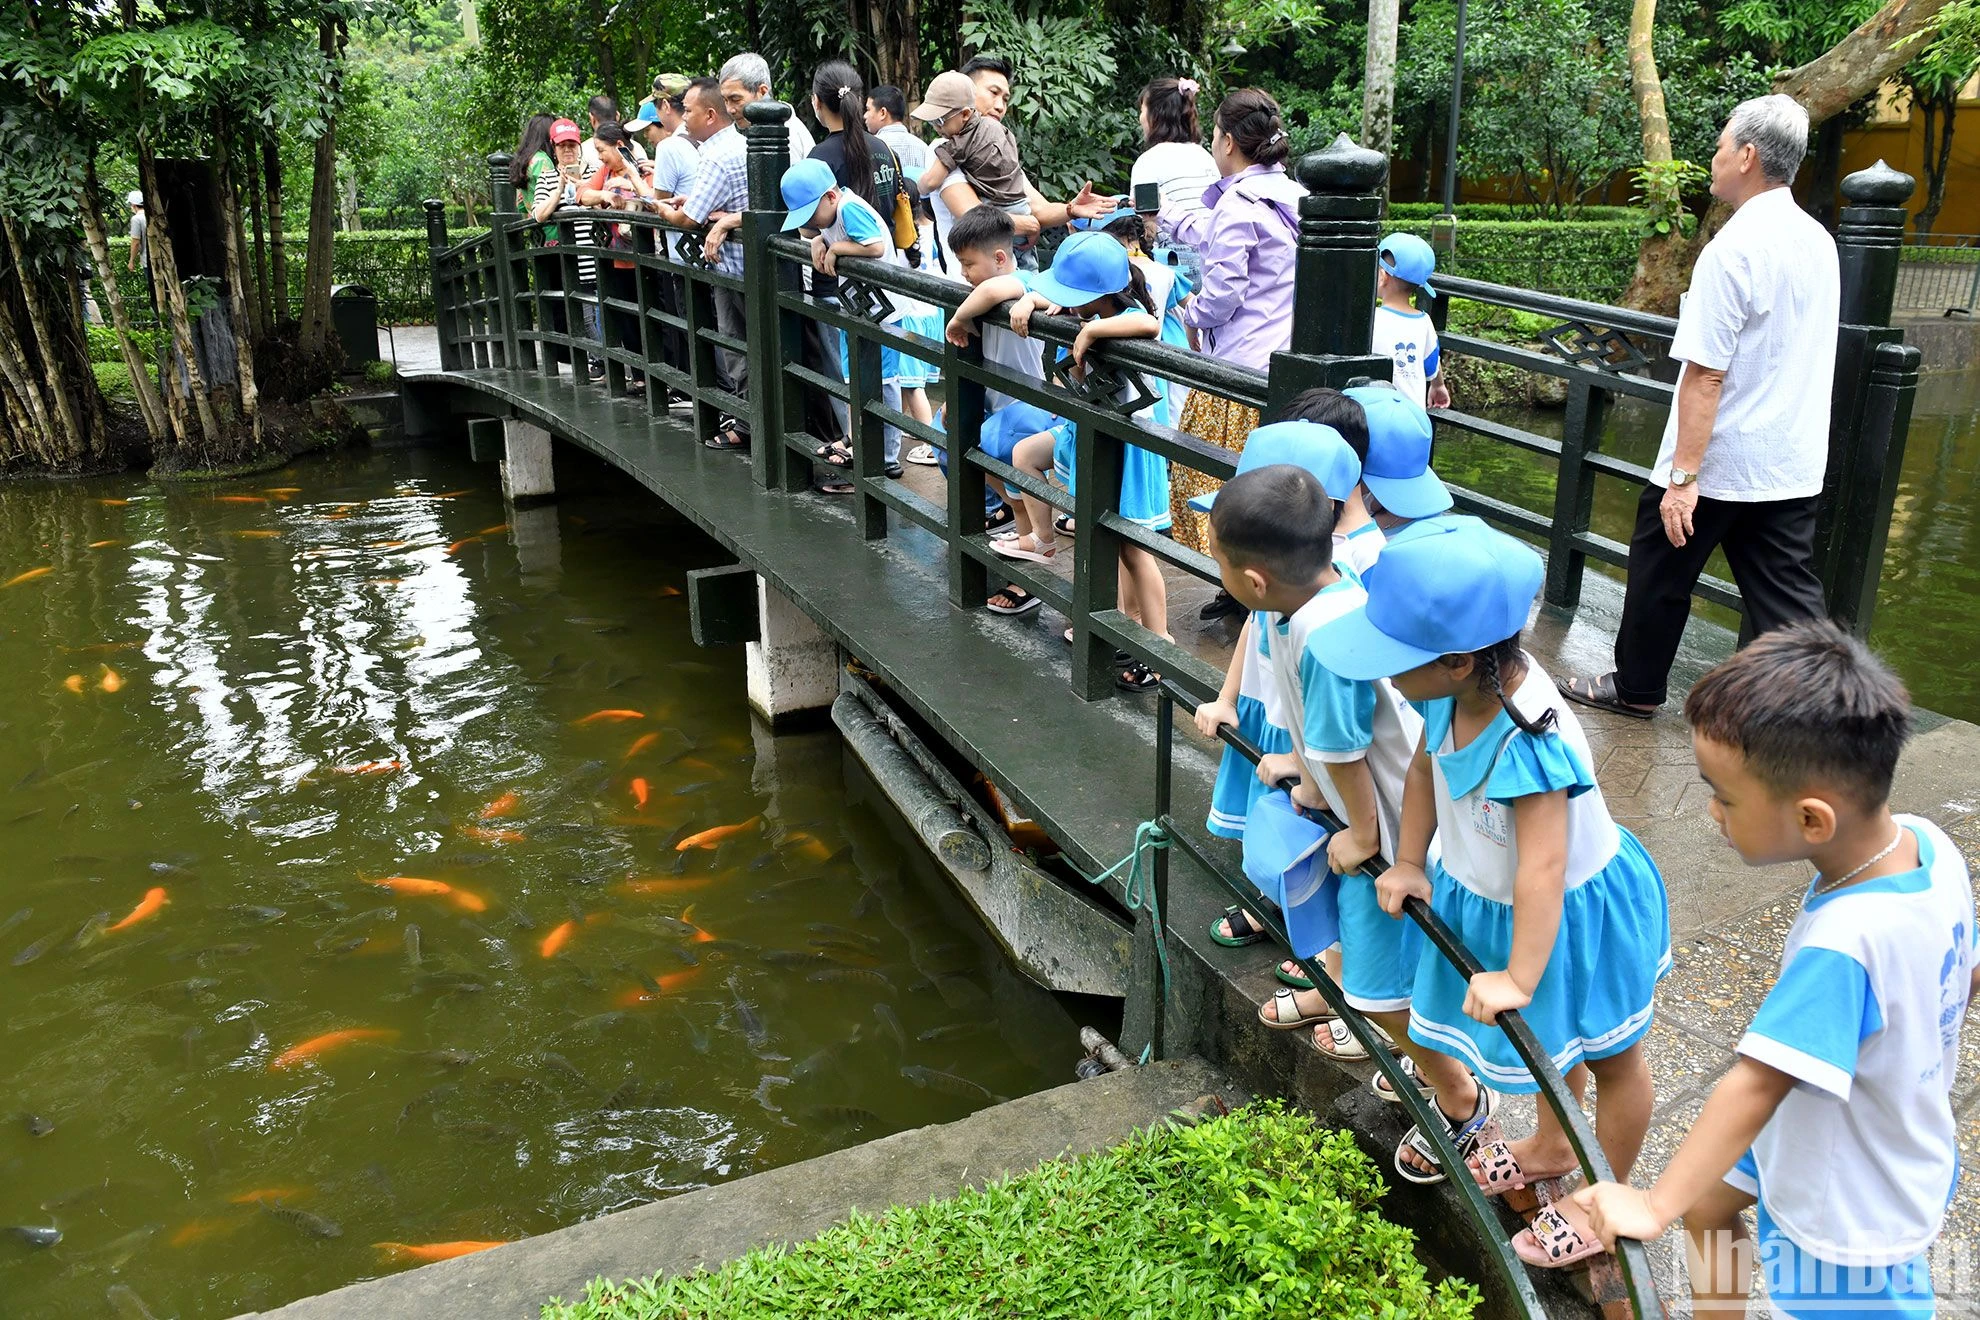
[(1403, 334), (1563, 906), (1397, 485)]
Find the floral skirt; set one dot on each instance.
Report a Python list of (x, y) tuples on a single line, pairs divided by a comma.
[(1224, 423)]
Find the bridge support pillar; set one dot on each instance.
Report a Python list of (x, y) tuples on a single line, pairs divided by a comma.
[(526, 471), (539, 546), (793, 665)]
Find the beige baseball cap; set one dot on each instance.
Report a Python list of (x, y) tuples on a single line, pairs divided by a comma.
[(949, 93)]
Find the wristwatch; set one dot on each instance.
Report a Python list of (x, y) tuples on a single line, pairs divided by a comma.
[(1681, 478)]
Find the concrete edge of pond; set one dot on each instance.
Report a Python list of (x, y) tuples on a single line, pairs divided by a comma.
[(789, 1204)]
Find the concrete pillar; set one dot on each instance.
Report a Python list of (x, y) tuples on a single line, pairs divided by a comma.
[(794, 665), (539, 545), (526, 471)]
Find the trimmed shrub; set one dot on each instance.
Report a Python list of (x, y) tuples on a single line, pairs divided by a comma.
[(1586, 259), (1506, 211)]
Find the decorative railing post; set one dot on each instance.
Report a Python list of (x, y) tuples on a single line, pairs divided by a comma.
[(774, 338), (443, 300), (1340, 222), (501, 220), (1850, 528)]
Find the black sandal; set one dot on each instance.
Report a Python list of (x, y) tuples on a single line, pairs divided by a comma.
[(1600, 693), (1063, 524), (999, 520), (1021, 600), (1234, 917), (837, 453), (833, 487), (729, 434), (1137, 677)]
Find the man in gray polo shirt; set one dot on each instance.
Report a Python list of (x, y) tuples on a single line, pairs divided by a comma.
[(1747, 442)]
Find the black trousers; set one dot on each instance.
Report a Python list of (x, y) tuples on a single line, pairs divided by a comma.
[(1771, 548), (620, 327), (550, 311)]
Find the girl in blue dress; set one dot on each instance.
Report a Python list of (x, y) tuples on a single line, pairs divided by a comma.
[(1562, 906)]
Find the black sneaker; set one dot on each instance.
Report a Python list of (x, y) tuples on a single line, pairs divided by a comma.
[(1221, 606)]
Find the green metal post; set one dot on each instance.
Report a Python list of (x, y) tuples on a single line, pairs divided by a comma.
[(1096, 558), (1574, 491), (502, 216), (869, 435), (772, 342), (1869, 236), (443, 299), (1340, 222), (969, 580)]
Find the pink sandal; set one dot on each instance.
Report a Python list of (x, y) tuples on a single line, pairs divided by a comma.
[(1552, 1243), (1497, 1172), (1015, 548)]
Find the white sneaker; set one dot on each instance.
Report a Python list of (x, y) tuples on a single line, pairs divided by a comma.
[(922, 456)]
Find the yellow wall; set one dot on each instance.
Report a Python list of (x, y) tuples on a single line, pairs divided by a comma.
[(1896, 135)]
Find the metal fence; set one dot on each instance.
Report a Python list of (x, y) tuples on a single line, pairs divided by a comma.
[(1940, 273)]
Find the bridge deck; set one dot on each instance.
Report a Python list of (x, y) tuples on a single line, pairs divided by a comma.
[(996, 689)]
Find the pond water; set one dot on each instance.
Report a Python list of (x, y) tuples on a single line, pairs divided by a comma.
[(379, 872), (1925, 625)]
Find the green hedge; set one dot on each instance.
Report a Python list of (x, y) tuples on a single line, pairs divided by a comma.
[(1591, 259), (392, 263), (1261, 1215), (391, 217), (1504, 211)]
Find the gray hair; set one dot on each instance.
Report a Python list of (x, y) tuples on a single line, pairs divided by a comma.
[(749, 69), (1777, 129)]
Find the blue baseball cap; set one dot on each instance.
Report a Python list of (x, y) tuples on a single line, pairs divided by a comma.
[(1455, 586), (1086, 266), (1080, 223), (1409, 259), (1311, 445), (1398, 466), (646, 117), (804, 185)]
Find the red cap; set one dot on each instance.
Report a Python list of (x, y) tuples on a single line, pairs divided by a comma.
[(565, 131)]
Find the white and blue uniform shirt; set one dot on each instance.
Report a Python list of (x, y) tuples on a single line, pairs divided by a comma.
[(1359, 549), (1409, 340), (1858, 1163), (858, 222), (1337, 721)]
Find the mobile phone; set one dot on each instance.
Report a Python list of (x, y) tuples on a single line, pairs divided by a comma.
[(1147, 198)]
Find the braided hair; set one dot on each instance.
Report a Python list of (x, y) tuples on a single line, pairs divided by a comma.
[(1491, 665)]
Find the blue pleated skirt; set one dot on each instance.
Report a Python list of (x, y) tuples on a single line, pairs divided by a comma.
[(1237, 784), (1594, 999)]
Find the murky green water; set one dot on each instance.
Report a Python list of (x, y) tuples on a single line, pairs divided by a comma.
[(259, 704), (1925, 624)]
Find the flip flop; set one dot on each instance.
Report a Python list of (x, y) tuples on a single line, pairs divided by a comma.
[(1464, 1135), (1550, 1242), (1600, 693), (1287, 1002), (1233, 915), (1023, 600)]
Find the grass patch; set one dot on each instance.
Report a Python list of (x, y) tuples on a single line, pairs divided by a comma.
[(1260, 1215)]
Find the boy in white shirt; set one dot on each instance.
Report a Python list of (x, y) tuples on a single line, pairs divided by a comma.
[(1837, 1116), (1402, 333)]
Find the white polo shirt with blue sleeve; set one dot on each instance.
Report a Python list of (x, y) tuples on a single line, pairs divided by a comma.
[(1858, 1163)]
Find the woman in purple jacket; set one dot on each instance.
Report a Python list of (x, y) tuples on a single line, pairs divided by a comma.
[(1242, 314)]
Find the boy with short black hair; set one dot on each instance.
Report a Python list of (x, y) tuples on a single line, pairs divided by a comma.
[(1358, 541), (1837, 1117)]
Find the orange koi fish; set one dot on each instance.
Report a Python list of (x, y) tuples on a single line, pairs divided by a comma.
[(240, 499), (695, 763), (98, 545), (388, 545), (639, 792), (809, 845), (260, 1194), (154, 898), (425, 1253), (466, 899), (112, 681), (198, 1230), (493, 531), (28, 576), (501, 806), (338, 513), (74, 682), (640, 744), (114, 504), (710, 837), (450, 494), (284, 492), (669, 983), (615, 716), (368, 768), (484, 834), (664, 591), (557, 939), (455, 548), (328, 1041), (256, 534), (664, 885), (687, 919)]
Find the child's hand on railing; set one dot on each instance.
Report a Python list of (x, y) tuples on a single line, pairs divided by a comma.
[(1402, 881), (1275, 766), (1492, 993), (959, 329), (1308, 796), (1347, 850), (1615, 1210), (821, 256), (1213, 715), (1082, 341)]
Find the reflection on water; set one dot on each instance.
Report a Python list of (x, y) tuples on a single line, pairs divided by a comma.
[(1925, 622), (385, 869)]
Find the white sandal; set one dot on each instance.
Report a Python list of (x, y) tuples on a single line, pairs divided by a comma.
[(1379, 1084), (1014, 548), (1342, 1043), (1464, 1136)]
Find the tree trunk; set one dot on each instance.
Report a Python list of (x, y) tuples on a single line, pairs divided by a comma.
[(1378, 95), (322, 204), (1823, 185), (38, 433), (165, 275), (1941, 113), (605, 72), (69, 438), (245, 336), (264, 310), (1645, 85), (149, 405), (1858, 64), (278, 256)]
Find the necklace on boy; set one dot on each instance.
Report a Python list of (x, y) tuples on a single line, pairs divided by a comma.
[(1825, 886)]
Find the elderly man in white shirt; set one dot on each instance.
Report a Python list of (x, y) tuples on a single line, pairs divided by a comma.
[(1747, 442)]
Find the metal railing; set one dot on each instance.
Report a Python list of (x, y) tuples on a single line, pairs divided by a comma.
[(1639, 1288), (1940, 273)]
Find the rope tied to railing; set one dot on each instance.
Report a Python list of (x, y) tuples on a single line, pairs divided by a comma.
[(1138, 892)]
